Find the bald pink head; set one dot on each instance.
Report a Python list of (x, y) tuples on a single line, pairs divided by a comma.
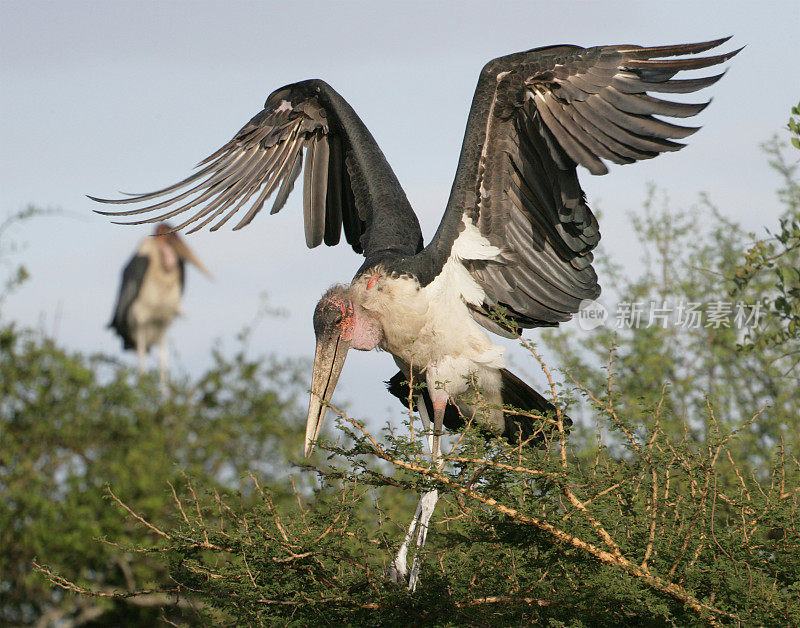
[(337, 313)]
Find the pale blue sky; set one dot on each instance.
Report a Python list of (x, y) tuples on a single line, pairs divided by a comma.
[(104, 96)]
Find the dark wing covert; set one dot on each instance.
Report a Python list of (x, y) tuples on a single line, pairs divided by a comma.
[(130, 285)]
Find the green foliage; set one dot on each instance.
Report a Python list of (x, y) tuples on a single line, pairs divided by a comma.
[(672, 533), (13, 275), (794, 127), (687, 367), (73, 429), (772, 265)]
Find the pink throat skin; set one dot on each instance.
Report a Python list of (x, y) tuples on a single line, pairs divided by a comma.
[(362, 330)]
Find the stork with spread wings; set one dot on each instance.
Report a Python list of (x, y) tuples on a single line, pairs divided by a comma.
[(516, 234)]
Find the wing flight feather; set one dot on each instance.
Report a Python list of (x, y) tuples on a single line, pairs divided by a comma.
[(129, 288), (309, 124), (535, 117)]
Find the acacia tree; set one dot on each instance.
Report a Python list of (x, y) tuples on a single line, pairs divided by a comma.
[(773, 264), (672, 531), (735, 363)]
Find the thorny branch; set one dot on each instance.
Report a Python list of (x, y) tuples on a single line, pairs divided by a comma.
[(614, 557)]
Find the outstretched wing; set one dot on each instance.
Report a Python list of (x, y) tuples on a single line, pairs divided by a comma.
[(347, 184), (535, 116)]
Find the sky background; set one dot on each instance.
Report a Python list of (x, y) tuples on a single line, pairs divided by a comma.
[(97, 97)]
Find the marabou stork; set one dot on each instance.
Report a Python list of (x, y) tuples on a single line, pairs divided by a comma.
[(150, 294), (516, 234)]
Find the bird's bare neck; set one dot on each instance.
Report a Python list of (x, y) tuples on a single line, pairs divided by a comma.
[(169, 258), (365, 332)]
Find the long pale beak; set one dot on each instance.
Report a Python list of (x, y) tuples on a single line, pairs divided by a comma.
[(184, 252), (328, 362)]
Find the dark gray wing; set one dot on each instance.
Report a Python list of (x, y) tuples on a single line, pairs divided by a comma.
[(131, 284), (535, 116), (182, 275), (348, 184)]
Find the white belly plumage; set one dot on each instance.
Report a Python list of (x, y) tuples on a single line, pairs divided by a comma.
[(157, 304), (431, 328)]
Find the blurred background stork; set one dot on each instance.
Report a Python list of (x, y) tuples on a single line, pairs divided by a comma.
[(150, 294)]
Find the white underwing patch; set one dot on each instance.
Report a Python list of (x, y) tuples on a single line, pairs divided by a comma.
[(469, 245)]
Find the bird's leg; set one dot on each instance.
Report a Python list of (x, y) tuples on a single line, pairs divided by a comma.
[(400, 566), (440, 399), (162, 365), (428, 500), (426, 422), (427, 503), (141, 348)]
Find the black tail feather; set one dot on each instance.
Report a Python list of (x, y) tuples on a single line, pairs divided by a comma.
[(515, 393), (519, 395), (398, 386)]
